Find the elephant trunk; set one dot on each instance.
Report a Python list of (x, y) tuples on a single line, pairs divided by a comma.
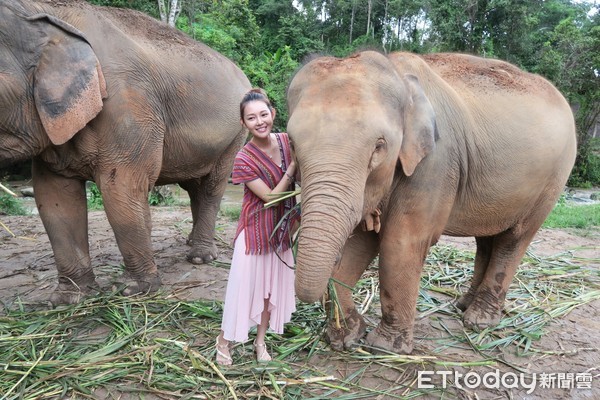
[(330, 212)]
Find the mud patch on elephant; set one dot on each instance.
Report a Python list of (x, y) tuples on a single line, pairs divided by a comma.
[(568, 343), (346, 332), (486, 73)]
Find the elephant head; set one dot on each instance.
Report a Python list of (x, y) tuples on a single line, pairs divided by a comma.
[(357, 126), (51, 83)]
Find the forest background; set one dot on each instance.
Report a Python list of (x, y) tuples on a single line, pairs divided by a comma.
[(270, 39)]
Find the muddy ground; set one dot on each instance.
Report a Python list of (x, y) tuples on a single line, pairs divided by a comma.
[(571, 343)]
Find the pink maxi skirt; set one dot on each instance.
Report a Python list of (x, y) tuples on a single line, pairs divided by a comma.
[(252, 279)]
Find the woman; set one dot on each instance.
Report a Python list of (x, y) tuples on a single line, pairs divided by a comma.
[(260, 290)]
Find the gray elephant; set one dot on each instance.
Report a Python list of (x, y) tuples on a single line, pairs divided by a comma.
[(395, 151), (115, 97)]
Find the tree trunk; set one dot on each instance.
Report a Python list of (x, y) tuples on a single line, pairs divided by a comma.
[(173, 11), (399, 26), (387, 24), (369, 6), (162, 10), (352, 20)]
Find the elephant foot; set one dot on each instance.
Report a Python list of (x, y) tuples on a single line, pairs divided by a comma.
[(398, 341), (202, 254), (346, 337), (481, 315), (146, 284), (465, 301), (69, 292)]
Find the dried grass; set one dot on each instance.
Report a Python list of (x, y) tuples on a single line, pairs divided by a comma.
[(158, 347)]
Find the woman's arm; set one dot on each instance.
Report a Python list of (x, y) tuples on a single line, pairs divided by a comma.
[(259, 188)]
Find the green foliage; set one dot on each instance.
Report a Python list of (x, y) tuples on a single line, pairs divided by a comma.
[(227, 26), (299, 34), (10, 205), (231, 212), (208, 31), (565, 215), (453, 25), (269, 16), (158, 196), (149, 7), (569, 56), (586, 172), (161, 196), (94, 197), (281, 25)]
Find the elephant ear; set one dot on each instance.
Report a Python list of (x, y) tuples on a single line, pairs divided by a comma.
[(68, 82), (420, 132)]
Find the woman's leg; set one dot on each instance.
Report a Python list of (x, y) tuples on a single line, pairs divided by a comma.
[(262, 354), (223, 353)]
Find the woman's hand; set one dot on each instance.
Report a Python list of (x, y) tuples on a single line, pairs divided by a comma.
[(291, 171), (292, 168), (260, 188)]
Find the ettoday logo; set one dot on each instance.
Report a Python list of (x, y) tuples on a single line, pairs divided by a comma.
[(505, 380)]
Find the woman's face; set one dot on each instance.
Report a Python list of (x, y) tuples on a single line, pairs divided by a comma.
[(258, 118)]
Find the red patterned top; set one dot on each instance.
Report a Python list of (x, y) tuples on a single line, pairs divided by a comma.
[(260, 222)]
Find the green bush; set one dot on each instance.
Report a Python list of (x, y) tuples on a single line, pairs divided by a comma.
[(566, 215), (10, 205), (586, 172), (231, 212), (94, 197), (159, 196)]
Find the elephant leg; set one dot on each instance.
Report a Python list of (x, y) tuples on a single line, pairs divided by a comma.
[(345, 332), (507, 250), (400, 264), (62, 205), (205, 200), (482, 260), (126, 205)]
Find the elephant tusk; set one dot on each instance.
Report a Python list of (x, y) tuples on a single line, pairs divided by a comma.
[(372, 222)]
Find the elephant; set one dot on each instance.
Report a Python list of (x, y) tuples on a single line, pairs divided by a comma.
[(396, 150), (113, 96)]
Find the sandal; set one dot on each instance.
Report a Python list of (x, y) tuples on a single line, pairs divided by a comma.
[(223, 354), (262, 355)]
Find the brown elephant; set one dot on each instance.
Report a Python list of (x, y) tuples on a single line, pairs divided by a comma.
[(115, 97), (395, 151)]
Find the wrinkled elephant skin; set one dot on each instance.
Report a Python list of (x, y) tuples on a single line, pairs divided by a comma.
[(395, 151), (113, 96)]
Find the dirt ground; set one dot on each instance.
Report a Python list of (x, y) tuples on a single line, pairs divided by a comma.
[(571, 344)]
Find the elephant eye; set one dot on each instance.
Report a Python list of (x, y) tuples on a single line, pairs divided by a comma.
[(378, 154)]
